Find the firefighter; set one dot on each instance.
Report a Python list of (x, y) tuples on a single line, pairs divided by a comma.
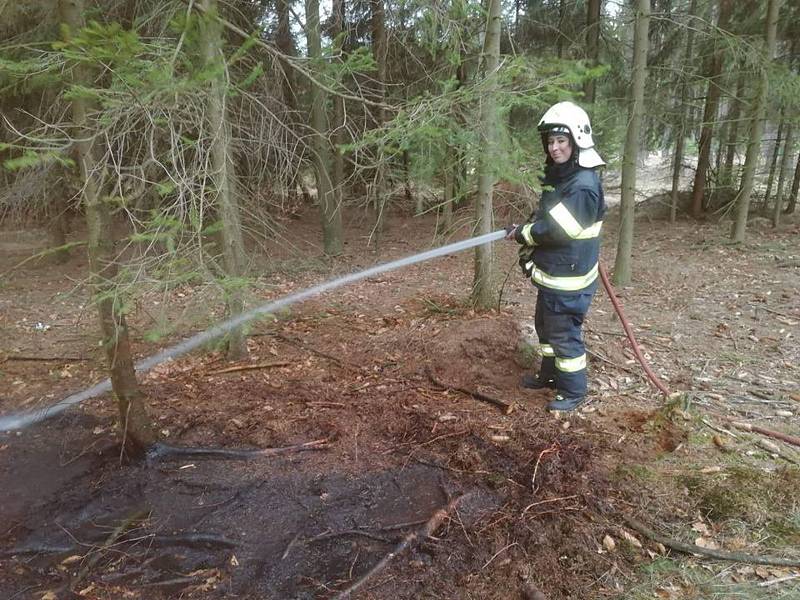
[(559, 251)]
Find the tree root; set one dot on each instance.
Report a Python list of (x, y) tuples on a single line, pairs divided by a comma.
[(238, 368), (708, 552), (131, 520), (159, 451), (191, 540), (501, 404), (409, 540)]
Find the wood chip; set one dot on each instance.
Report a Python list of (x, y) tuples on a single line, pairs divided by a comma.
[(631, 539)]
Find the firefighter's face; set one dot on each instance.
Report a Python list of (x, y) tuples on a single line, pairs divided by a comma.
[(559, 148)]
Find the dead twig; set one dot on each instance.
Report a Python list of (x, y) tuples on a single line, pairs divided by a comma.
[(550, 450), (159, 451), (330, 357), (425, 532), (191, 540), (602, 358), (708, 552), (498, 553), (501, 404), (25, 358), (290, 545), (548, 501), (777, 580), (778, 435), (773, 311), (334, 534), (118, 531), (250, 367), (711, 425)]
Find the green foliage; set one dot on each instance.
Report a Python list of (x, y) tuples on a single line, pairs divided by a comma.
[(33, 158)]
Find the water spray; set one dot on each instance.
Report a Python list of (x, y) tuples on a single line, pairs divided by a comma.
[(23, 419)]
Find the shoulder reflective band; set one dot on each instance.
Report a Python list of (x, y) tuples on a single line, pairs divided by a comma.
[(547, 350), (567, 284), (571, 365), (571, 226), (526, 234)]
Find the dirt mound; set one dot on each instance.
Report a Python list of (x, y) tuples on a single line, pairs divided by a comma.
[(476, 352)]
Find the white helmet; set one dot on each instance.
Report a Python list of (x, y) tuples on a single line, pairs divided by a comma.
[(576, 121)]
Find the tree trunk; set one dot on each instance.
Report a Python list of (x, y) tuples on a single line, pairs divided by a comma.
[(733, 137), (285, 43), (593, 10), (709, 114), (482, 294), (137, 431), (680, 140), (283, 40), (223, 174), (337, 176), (330, 211), (447, 205), (773, 165), (622, 266), (57, 234), (790, 208), (756, 126), (562, 14), (787, 151), (379, 48)]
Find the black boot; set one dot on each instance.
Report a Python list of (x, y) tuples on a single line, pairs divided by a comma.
[(534, 382), (566, 403)]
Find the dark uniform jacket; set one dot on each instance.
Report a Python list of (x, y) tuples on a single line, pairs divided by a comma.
[(561, 244)]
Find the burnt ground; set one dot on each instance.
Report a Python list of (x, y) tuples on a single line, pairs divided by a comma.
[(544, 496)]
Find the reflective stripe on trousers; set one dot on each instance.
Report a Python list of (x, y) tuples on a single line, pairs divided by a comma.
[(559, 323)]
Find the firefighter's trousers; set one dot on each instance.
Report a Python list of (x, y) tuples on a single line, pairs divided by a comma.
[(559, 325)]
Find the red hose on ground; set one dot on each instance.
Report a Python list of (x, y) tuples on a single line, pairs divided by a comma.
[(629, 332)]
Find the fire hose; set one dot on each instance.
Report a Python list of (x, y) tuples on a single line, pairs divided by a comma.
[(629, 332), (23, 419)]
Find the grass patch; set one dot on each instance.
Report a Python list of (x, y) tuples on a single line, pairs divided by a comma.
[(763, 500), (686, 580)]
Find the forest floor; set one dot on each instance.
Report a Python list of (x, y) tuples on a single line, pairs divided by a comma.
[(542, 501)]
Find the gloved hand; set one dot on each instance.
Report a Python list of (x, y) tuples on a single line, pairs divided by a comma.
[(510, 231)]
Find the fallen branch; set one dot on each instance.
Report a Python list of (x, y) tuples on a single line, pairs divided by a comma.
[(778, 435), (159, 451), (330, 357), (711, 425), (425, 532), (708, 552), (24, 358), (250, 367), (191, 540), (36, 550), (501, 404), (333, 534), (118, 531), (615, 365), (290, 545)]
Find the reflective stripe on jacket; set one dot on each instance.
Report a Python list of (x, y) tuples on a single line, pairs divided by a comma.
[(562, 243)]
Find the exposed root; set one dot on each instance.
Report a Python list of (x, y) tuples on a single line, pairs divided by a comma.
[(501, 404), (409, 540), (237, 368), (716, 554), (132, 519), (160, 451), (206, 540)]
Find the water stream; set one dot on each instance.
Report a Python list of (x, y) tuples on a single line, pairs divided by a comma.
[(23, 419)]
